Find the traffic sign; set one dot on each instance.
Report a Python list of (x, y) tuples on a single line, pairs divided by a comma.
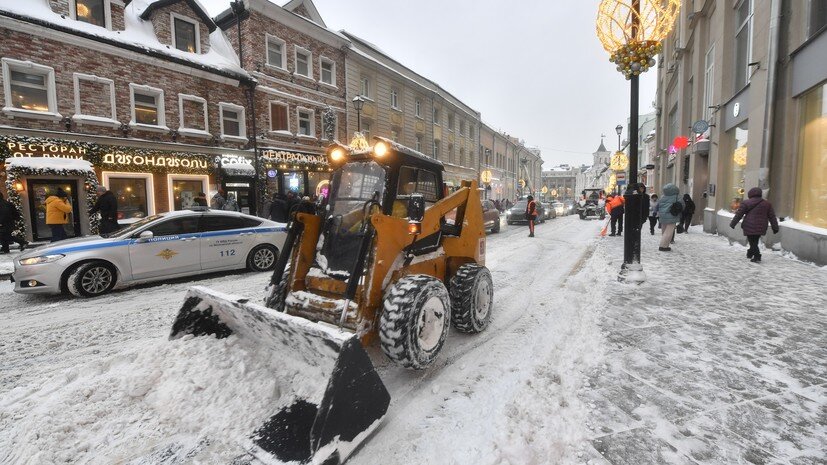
[(620, 176)]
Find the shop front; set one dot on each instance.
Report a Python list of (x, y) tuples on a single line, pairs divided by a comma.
[(236, 178), (299, 174)]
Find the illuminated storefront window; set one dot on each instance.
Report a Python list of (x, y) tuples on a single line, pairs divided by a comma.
[(185, 191), (91, 11), (738, 162), (132, 197), (811, 201)]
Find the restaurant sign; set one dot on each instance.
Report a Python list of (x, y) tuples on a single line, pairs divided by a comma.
[(155, 160), (44, 149), (280, 156)]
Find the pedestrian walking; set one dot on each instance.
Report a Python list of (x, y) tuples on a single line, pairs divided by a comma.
[(8, 217), (531, 214), (218, 200), (669, 211), (278, 209), (686, 214), (230, 204), (757, 213), (57, 214), (644, 202), (615, 209), (107, 206), (653, 213), (200, 200)]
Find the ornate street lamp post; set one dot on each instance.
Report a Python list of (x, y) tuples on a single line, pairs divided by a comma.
[(358, 104), (632, 31), (619, 131)]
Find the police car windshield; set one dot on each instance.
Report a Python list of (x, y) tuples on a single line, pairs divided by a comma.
[(134, 226)]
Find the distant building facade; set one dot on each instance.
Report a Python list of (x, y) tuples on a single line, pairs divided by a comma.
[(597, 175), (560, 183)]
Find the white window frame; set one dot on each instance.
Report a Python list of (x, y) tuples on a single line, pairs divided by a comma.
[(450, 123), (296, 50), (312, 134), (205, 184), (172, 18), (270, 103), (150, 185), (435, 115), (283, 65), (418, 143), (366, 129), (748, 24), (107, 13), (51, 92), (159, 98), (364, 86), (183, 130), (242, 123), (393, 96), (81, 118), (461, 127), (322, 61), (418, 108)]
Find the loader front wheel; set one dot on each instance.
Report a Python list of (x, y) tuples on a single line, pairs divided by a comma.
[(472, 296), (414, 320)]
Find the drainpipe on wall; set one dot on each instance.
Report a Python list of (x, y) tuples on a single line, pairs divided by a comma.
[(769, 107)]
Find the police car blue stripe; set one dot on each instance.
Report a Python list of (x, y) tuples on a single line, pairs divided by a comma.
[(80, 248)]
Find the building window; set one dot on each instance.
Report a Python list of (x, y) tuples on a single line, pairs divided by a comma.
[(743, 43), (328, 68), (470, 131), (418, 108), (94, 100), (184, 189), (29, 88), (436, 116), (279, 121), (394, 135), (147, 106), (418, 144), (709, 82), (134, 192), (193, 115), (462, 128), (303, 63), (738, 163), (92, 11), (394, 99), (436, 149), (811, 201), (306, 123), (364, 87), (185, 34), (233, 126), (451, 122), (461, 157), (275, 52), (366, 130), (450, 153), (818, 16)]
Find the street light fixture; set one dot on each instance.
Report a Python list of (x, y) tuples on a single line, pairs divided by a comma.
[(358, 104), (632, 32), (619, 130)]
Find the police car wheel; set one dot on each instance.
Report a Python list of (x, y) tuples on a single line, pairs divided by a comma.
[(262, 258), (91, 279)]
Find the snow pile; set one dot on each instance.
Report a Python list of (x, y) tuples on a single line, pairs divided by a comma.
[(137, 32), (48, 163), (194, 398)]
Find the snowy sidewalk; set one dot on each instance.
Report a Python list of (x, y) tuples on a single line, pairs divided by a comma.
[(713, 360)]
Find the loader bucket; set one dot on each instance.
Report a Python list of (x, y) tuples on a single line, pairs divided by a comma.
[(321, 424)]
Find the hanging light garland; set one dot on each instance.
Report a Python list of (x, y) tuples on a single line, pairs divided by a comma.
[(633, 49)]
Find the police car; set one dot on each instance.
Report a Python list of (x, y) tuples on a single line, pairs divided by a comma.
[(158, 247)]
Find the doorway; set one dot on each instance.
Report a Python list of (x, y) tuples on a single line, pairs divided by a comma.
[(243, 193), (42, 189)]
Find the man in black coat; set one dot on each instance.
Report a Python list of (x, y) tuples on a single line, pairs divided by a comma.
[(8, 216), (278, 209), (686, 214), (107, 205)]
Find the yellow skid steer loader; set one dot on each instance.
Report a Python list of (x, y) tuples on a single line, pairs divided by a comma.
[(392, 258)]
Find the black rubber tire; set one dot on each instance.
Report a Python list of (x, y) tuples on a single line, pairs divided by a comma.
[(496, 227), (260, 249), (96, 270), (400, 320), (276, 295), (582, 216), (470, 279)]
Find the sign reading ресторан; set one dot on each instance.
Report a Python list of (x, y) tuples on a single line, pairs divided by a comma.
[(168, 161), (18, 149), (293, 157)]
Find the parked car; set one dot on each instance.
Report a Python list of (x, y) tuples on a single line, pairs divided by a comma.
[(516, 214), (548, 211), (490, 216), (158, 247)]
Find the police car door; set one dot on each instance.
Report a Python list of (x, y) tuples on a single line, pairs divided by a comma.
[(173, 249), (225, 241)]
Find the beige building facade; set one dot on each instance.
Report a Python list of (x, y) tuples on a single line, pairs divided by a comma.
[(754, 72)]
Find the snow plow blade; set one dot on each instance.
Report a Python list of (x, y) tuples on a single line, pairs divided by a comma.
[(324, 420)]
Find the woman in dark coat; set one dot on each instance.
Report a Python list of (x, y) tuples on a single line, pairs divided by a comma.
[(686, 214), (757, 213)]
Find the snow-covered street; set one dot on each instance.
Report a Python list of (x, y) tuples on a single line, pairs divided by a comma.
[(712, 360)]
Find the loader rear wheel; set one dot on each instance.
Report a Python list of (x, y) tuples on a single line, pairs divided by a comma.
[(414, 321), (472, 296)]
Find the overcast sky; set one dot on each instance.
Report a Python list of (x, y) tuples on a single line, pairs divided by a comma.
[(533, 68)]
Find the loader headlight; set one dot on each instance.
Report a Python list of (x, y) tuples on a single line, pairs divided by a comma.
[(41, 259), (380, 149), (337, 154)]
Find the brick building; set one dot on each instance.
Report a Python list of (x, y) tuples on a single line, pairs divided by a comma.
[(300, 99), (150, 93), (505, 162)]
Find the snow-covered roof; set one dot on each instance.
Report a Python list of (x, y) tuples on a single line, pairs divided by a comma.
[(48, 163), (138, 33)]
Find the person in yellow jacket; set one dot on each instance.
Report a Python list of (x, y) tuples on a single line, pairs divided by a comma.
[(57, 214)]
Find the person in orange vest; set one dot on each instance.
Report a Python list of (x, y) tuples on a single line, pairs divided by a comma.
[(531, 214), (614, 207)]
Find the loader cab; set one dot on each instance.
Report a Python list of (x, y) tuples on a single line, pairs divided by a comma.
[(383, 177)]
